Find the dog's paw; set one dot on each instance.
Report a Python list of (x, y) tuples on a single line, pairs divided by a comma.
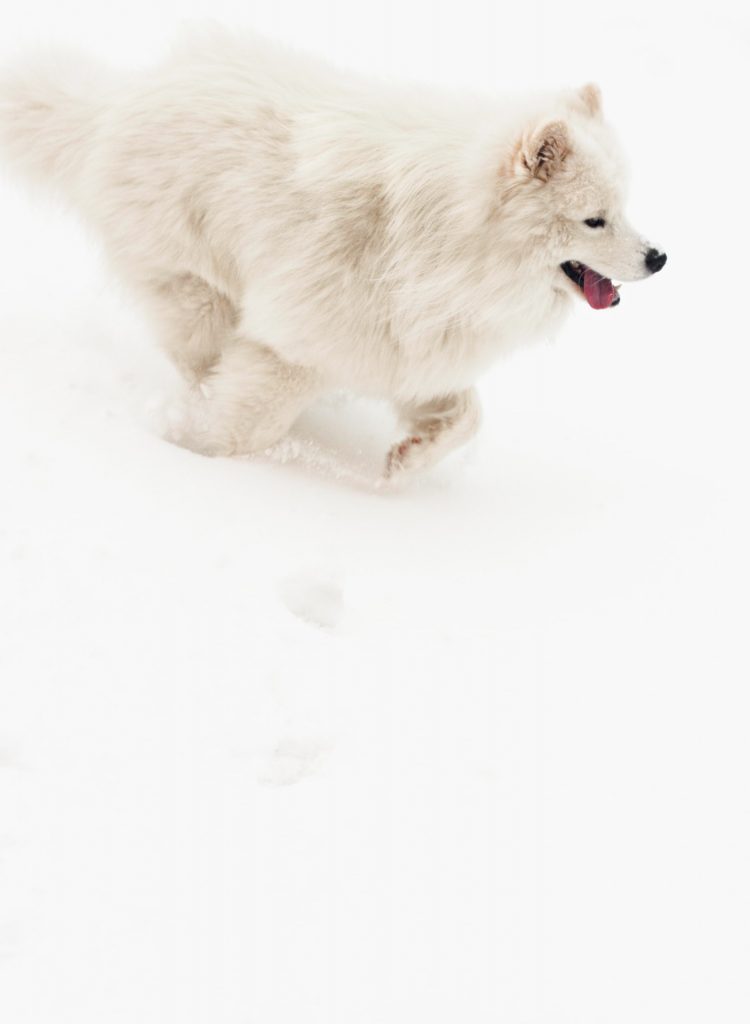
[(406, 457), (177, 419), (190, 426)]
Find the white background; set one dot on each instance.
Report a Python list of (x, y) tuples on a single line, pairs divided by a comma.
[(276, 747)]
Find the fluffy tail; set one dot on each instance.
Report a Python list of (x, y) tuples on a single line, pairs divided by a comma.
[(50, 110)]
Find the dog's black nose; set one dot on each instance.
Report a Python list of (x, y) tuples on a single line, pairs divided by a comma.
[(655, 260)]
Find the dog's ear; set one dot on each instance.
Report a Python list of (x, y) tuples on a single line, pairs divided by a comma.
[(589, 99), (543, 151)]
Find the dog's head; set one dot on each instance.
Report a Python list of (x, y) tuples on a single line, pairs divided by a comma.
[(571, 173)]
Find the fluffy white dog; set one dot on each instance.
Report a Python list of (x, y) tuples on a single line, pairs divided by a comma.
[(295, 230)]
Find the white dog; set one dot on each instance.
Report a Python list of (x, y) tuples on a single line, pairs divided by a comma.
[(295, 230)]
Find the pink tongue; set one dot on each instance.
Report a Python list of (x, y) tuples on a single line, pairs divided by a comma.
[(599, 291)]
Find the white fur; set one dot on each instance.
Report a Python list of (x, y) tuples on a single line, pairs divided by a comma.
[(295, 230)]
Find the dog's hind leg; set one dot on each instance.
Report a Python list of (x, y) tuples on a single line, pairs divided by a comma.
[(435, 428), (248, 401), (194, 321)]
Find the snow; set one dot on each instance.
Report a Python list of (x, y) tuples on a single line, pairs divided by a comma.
[(278, 744)]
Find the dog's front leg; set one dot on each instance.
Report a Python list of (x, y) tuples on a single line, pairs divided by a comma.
[(435, 428)]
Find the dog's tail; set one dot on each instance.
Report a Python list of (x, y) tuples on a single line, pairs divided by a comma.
[(51, 107)]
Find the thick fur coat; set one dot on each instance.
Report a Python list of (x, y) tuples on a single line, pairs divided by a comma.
[(294, 230)]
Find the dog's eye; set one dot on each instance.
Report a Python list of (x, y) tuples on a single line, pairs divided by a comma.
[(595, 222)]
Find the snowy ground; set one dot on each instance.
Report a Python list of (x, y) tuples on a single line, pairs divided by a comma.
[(276, 746)]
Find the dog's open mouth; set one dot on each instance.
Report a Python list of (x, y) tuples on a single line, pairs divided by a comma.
[(598, 291)]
